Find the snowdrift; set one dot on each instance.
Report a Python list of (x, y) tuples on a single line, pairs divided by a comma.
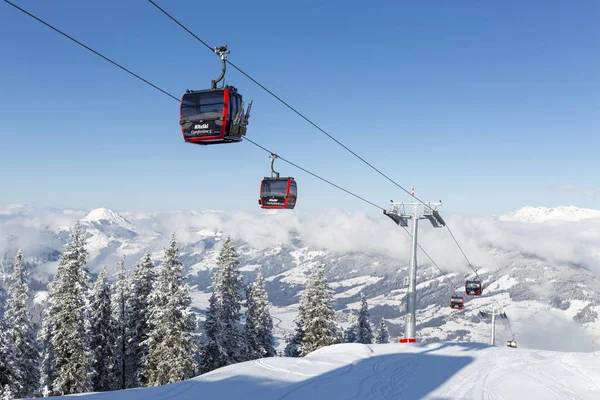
[(393, 371)]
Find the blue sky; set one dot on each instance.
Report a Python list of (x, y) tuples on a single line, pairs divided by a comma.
[(487, 106)]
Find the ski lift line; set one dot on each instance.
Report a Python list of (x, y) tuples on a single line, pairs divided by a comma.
[(462, 251), (182, 26), (313, 174), (452, 285), (178, 100), (291, 108), (313, 124), (90, 49)]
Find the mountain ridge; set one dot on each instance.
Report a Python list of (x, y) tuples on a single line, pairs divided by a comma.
[(361, 254)]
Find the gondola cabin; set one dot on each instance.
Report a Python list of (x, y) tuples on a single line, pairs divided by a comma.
[(457, 302), (512, 343), (213, 116), (473, 288), (278, 193)]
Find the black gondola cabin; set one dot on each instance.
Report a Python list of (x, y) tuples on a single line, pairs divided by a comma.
[(278, 193), (457, 302), (213, 116), (473, 288)]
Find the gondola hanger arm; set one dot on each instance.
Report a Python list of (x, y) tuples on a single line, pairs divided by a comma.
[(274, 174), (222, 51)]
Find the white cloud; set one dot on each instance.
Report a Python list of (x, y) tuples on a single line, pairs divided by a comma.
[(338, 231), (552, 330)]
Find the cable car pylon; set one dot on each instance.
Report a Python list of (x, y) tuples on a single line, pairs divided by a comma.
[(495, 313), (400, 216)]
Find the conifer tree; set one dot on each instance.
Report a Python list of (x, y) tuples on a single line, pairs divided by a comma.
[(364, 331), (119, 302), (47, 375), (9, 375), (293, 347), (318, 316), (18, 318), (250, 350), (350, 335), (68, 322), (228, 286), (138, 315), (6, 393), (383, 335), (259, 324), (103, 332), (171, 340), (212, 353)]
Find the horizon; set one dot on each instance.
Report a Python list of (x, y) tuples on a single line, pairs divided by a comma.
[(88, 210), (559, 236)]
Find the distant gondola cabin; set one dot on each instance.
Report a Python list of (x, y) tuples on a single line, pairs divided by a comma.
[(278, 193), (457, 302), (473, 288)]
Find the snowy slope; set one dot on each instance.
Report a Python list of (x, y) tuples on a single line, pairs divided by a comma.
[(545, 276), (544, 214), (393, 371)]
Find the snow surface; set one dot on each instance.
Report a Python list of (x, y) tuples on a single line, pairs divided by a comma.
[(104, 214), (544, 214), (393, 371)]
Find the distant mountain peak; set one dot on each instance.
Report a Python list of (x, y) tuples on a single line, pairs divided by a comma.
[(543, 214), (105, 216)]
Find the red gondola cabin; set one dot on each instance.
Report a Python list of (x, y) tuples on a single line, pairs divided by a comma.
[(213, 116), (457, 302), (473, 288), (278, 193)]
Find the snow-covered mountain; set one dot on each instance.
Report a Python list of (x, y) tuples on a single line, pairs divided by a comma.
[(543, 214), (390, 371), (545, 277)]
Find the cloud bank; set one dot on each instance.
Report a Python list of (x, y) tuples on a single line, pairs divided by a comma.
[(551, 330), (340, 232)]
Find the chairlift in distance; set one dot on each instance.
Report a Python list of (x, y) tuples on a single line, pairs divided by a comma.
[(276, 192), (215, 115)]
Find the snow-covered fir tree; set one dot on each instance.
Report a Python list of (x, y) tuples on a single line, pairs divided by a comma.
[(364, 332), (228, 286), (71, 362), (250, 337), (119, 303), (212, 351), (350, 335), (317, 313), (383, 335), (259, 324), (171, 341), (9, 375), (294, 342), (138, 314), (47, 374), (6, 393), (22, 330), (103, 334)]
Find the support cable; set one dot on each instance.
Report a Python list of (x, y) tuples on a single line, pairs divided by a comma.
[(249, 140)]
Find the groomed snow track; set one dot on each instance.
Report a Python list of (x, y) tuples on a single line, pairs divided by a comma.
[(394, 371)]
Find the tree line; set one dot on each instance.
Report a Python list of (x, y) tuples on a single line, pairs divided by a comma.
[(140, 330)]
